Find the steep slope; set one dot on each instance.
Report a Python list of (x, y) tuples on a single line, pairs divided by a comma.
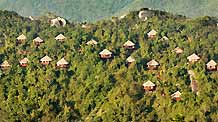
[(79, 10), (92, 10), (95, 90), (190, 8)]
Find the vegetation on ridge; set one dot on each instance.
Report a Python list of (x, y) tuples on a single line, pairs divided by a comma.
[(92, 89), (93, 10)]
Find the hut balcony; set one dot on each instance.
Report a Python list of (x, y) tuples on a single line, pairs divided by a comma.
[(45, 62), (5, 67), (38, 43), (149, 88), (23, 64), (129, 47), (212, 68), (105, 56), (151, 36), (152, 67), (193, 60), (177, 98), (62, 66)]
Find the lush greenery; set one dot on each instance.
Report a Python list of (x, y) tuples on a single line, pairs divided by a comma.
[(79, 10), (94, 90), (92, 10)]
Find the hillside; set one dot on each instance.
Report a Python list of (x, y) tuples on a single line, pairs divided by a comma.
[(93, 10), (92, 89), (190, 8), (79, 10)]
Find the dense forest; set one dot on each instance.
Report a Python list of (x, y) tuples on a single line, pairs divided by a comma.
[(92, 89), (94, 10)]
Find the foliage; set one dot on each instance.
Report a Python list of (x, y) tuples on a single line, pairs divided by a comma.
[(92, 89), (93, 10)]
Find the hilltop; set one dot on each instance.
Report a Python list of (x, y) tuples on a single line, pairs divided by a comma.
[(65, 79), (94, 10)]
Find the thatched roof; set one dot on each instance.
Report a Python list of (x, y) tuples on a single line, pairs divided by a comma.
[(152, 33), (62, 62), (45, 58), (211, 63), (5, 64), (178, 50), (148, 83), (60, 37), (105, 52), (153, 63), (164, 38), (130, 59), (38, 39), (92, 42), (176, 94), (24, 61), (21, 37), (128, 43), (193, 57)]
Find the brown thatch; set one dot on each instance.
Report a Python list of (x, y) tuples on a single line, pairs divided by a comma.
[(153, 63), (60, 37), (5, 64), (62, 62), (45, 59), (92, 42), (105, 52), (21, 37), (152, 33), (148, 83), (193, 58), (176, 95), (130, 59), (178, 50), (24, 61), (211, 63), (38, 40)]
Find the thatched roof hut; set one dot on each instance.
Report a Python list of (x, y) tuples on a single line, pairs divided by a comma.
[(105, 54), (152, 33), (62, 63), (153, 64), (193, 58), (211, 65), (5, 64), (38, 40), (178, 50), (45, 60), (129, 45), (92, 42), (22, 37), (176, 96), (60, 37), (149, 86), (24, 62)]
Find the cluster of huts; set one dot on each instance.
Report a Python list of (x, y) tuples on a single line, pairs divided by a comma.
[(106, 54), (44, 61), (38, 41), (62, 63), (150, 86)]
